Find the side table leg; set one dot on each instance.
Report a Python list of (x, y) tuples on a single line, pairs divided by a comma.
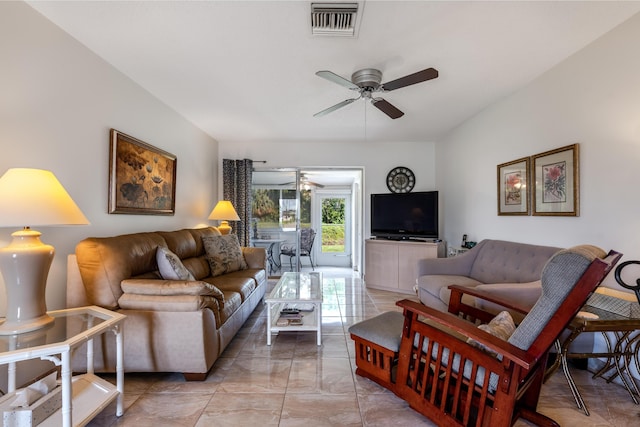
[(572, 385), (120, 369), (621, 357), (67, 390)]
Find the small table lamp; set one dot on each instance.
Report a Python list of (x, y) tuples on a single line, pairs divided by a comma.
[(30, 197), (224, 212)]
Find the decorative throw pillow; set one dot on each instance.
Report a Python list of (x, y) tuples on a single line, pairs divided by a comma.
[(170, 266), (501, 326), (224, 254)]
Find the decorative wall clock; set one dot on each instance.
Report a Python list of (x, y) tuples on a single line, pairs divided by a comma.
[(400, 180)]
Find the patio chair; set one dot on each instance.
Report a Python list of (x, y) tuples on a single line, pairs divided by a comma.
[(456, 374), (307, 236)]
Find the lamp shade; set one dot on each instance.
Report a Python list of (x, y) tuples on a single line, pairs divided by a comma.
[(30, 197), (224, 211)]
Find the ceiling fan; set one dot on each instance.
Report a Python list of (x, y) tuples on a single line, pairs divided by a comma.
[(305, 184), (367, 81)]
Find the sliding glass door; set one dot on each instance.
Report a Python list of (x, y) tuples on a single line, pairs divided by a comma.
[(276, 217)]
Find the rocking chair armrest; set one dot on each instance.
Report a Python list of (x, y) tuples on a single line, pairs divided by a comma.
[(504, 349), (457, 291)]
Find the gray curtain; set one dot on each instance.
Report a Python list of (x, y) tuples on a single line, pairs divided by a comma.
[(236, 187)]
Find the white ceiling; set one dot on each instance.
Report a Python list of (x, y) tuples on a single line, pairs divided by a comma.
[(245, 71)]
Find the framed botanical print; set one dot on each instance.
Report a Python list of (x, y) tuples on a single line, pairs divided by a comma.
[(556, 179), (513, 187), (142, 178)]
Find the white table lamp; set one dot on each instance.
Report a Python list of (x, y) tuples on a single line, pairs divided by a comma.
[(30, 197), (224, 212)]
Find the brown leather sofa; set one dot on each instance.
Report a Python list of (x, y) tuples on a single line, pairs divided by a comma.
[(172, 325)]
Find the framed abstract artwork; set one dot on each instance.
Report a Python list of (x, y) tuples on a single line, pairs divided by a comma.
[(513, 187), (142, 178), (556, 179)]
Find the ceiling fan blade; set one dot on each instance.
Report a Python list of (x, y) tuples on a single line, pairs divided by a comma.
[(335, 107), (311, 183), (315, 184), (333, 77), (387, 108), (411, 79)]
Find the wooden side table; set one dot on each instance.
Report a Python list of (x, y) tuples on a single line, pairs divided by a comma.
[(622, 349)]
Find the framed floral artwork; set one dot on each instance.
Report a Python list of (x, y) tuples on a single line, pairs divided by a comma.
[(142, 178), (513, 187), (556, 180)]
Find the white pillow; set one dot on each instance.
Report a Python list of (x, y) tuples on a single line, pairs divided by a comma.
[(170, 266)]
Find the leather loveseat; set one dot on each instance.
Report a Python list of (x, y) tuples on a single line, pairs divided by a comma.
[(506, 268), (178, 325)]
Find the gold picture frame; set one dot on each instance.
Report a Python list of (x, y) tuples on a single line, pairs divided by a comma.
[(142, 178), (514, 188), (556, 178)]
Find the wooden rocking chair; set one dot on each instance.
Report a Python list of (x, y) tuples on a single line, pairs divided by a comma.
[(455, 383)]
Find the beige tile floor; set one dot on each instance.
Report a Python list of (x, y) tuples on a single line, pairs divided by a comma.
[(297, 383)]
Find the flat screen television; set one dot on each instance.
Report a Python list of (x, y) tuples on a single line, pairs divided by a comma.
[(402, 216)]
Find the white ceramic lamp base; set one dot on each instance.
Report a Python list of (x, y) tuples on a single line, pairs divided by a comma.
[(25, 266)]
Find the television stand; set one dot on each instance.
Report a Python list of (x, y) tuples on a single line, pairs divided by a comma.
[(391, 264)]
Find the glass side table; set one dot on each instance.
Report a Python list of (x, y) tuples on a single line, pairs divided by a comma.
[(622, 349), (83, 396)]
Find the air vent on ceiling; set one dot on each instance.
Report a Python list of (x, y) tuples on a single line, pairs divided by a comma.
[(334, 19)]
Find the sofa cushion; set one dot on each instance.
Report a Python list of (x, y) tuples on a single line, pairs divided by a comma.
[(224, 254), (167, 302), (104, 262), (180, 242), (258, 275), (233, 300), (170, 266), (172, 287), (501, 261), (242, 285), (437, 286), (526, 295)]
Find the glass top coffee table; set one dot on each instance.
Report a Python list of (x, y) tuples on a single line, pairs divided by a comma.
[(301, 291)]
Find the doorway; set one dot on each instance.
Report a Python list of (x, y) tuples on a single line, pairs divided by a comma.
[(304, 191), (332, 220)]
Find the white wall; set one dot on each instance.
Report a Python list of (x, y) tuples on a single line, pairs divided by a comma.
[(592, 98), (58, 101), (377, 159)]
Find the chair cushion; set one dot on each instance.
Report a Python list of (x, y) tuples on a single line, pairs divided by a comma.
[(170, 266), (384, 330), (224, 254), (559, 277)]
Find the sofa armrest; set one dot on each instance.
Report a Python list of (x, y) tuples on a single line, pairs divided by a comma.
[(255, 257), (457, 266), (456, 306), (168, 302), (153, 287)]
